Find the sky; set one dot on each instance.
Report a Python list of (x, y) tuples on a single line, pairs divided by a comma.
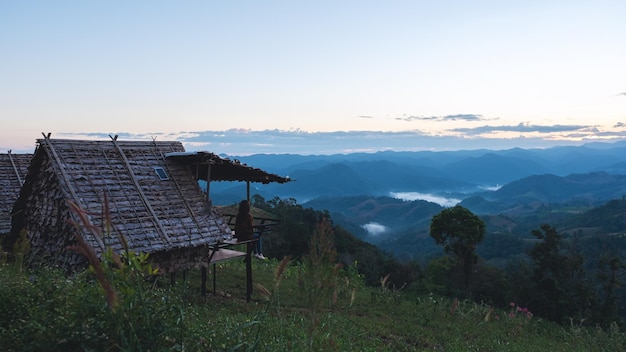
[(311, 77)]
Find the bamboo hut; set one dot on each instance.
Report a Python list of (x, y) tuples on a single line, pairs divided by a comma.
[(155, 204), (13, 168)]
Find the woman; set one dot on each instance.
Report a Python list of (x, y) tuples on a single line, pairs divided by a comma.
[(244, 229)]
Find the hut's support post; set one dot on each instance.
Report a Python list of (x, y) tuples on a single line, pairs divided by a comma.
[(248, 191), (173, 278), (214, 281), (203, 289), (249, 270)]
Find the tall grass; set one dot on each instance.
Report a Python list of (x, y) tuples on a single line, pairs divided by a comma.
[(45, 310), (312, 305), (318, 280)]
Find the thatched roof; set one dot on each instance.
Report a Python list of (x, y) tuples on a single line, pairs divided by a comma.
[(154, 203), (13, 168), (222, 169)]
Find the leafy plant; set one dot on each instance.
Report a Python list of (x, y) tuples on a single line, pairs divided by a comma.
[(21, 247), (133, 321), (387, 292)]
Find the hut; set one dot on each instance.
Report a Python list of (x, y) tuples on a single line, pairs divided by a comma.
[(154, 203), (13, 168)]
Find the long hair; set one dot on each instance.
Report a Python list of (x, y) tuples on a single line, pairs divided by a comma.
[(243, 223), (244, 208)]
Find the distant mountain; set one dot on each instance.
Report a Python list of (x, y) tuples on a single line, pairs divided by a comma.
[(556, 160), (583, 159), (390, 215), (492, 168), (527, 195), (529, 178), (618, 168), (462, 172), (608, 218), (330, 179), (592, 187), (349, 178), (579, 190)]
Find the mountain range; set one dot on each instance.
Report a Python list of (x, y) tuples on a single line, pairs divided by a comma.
[(388, 198), (589, 171)]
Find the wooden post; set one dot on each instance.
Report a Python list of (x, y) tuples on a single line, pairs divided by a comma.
[(214, 280), (249, 271), (203, 289)]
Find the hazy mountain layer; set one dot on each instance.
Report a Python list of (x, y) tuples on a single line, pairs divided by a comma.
[(458, 174)]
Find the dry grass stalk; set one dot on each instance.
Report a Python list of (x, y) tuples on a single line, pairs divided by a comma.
[(383, 282), (264, 292), (488, 315), (85, 249), (336, 269), (454, 306), (278, 274)]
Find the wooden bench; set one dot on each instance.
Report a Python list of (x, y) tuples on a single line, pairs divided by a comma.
[(221, 252)]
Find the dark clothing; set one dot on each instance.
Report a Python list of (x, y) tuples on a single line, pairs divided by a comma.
[(243, 227)]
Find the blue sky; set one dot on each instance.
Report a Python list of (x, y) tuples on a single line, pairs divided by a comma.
[(240, 77)]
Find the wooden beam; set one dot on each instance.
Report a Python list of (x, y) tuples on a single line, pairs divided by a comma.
[(66, 179), (17, 173), (142, 196)]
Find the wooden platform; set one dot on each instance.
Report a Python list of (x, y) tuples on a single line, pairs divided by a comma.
[(223, 255), (219, 252)]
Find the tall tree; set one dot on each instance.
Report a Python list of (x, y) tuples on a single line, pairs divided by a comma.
[(458, 230), (611, 274), (561, 288)]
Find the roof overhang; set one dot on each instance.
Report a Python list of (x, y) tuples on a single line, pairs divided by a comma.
[(223, 169)]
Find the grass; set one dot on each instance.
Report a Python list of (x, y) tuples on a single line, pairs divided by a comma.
[(378, 319), (47, 311)]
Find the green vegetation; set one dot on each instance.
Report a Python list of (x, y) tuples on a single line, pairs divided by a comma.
[(458, 230), (324, 290), (45, 310)]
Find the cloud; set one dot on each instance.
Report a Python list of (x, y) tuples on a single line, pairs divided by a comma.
[(366, 117), (522, 128), (411, 196), (622, 93), (120, 135), (457, 117), (463, 117), (243, 142), (300, 142), (607, 134), (374, 228)]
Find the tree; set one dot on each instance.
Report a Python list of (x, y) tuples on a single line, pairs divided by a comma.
[(458, 230), (611, 273), (561, 288), (297, 226)]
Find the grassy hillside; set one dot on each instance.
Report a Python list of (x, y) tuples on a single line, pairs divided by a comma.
[(46, 311)]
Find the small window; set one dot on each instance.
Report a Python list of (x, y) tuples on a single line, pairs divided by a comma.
[(161, 173)]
